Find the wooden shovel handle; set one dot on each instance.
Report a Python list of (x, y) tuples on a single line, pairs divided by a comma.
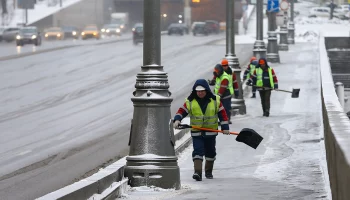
[(212, 130)]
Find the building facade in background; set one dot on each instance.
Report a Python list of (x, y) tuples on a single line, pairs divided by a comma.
[(172, 11)]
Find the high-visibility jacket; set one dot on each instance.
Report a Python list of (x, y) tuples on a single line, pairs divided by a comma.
[(218, 83), (251, 71), (259, 74), (207, 120)]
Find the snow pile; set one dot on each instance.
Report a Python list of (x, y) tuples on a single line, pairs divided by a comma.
[(309, 29), (153, 193), (307, 20)]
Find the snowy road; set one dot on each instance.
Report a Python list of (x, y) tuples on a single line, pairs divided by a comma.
[(65, 112), (10, 50)]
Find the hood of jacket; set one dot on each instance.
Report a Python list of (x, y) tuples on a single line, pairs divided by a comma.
[(267, 66), (204, 83), (218, 70)]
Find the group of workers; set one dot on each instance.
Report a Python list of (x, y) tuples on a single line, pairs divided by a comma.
[(205, 108)]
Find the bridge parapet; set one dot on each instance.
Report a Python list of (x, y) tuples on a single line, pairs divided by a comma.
[(336, 130)]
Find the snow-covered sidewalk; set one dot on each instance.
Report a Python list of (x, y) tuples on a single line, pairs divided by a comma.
[(289, 163)]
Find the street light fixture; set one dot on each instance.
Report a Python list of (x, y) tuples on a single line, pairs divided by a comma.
[(152, 160), (291, 28), (237, 103), (259, 45)]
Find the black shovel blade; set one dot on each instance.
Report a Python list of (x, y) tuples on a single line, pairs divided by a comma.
[(249, 137), (295, 93)]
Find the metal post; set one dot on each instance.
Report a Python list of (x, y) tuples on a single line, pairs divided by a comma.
[(339, 88), (231, 57), (272, 48), (188, 15), (283, 45), (26, 13), (259, 45), (291, 28), (152, 159)]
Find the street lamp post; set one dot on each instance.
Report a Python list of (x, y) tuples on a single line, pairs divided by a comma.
[(283, 45), (187, 13), (152, 159), (237, 103), (291, 28), (272, 48), (259, 45)]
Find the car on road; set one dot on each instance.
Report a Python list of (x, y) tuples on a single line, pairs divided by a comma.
[(344, 8), (200, 28), (212, 26), (176, 28), (111, 29), (1, 31), (9, 34), (28, 35), (137, 33), (325, 12), (90, 31), (55, 33), (70, 32)]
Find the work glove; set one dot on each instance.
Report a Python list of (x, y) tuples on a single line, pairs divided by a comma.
[(211, 82), (176, 124), (226, 132)]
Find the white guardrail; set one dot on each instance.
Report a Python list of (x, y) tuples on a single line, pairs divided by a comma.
[(109, 182)]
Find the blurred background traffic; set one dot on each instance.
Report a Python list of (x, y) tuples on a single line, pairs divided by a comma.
[(37, 21)]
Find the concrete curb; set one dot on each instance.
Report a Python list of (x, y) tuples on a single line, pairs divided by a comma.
[(109, 183)]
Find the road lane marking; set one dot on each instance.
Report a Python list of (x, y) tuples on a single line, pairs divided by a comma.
[(24, 152)]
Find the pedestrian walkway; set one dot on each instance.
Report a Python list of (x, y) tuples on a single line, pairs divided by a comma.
[(289, 163)]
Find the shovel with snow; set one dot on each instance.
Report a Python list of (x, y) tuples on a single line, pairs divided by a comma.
[(247, 136), (295, 92)]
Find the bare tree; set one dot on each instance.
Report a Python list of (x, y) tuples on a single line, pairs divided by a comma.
[(4, 6)]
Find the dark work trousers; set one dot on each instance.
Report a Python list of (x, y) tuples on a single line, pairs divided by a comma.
[(254, 90), (204, 146), (265, 100), (227, 105)]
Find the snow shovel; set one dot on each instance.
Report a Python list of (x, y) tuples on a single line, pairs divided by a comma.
[(247, 136), (295, 92)]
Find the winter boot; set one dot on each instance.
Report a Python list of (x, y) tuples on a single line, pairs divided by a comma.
[(197, 170), (253, 96), (267, 113), (209, 169)]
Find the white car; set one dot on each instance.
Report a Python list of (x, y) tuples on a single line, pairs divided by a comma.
[(344, 8), (326, 12)]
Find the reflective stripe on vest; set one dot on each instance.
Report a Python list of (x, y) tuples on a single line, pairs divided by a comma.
[(259, 80), (207, 120), (219, 80), (251, 72)]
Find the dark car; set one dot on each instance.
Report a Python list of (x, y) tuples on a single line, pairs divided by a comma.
[(179, 29), (213, 26), (9, 34), (137, 33), (70, 32), (200, 28), (28, 35)]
